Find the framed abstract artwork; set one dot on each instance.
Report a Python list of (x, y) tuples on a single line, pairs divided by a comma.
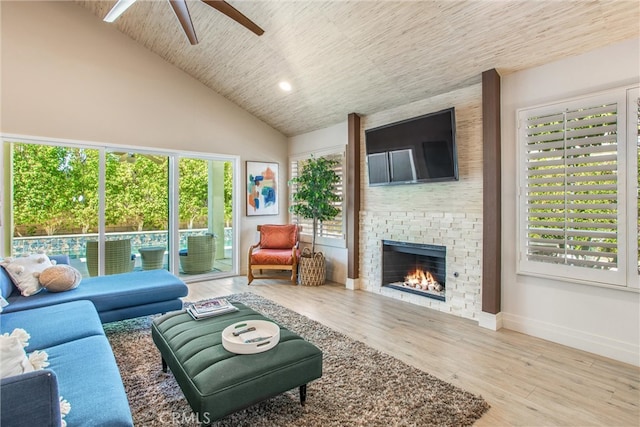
[(262, 188)]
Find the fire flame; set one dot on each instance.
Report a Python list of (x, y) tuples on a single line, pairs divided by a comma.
[(422, 280)]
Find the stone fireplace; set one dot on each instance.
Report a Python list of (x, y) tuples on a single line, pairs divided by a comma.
[(416, 268), (447, 214), (458, 234)]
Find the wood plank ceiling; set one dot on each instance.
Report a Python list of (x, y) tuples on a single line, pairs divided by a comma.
[(366, 56)]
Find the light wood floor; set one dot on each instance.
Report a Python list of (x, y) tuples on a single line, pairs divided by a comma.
[(526, 380)]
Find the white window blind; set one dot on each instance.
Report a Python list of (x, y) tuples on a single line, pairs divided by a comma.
[(633, 185), (636, 99), (572, 193), (329, 232)]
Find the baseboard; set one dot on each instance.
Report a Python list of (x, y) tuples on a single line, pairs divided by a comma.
[(490, 321), (352, 284), (603, 346)]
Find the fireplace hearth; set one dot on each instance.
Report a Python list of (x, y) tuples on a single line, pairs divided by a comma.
[(415, 268)]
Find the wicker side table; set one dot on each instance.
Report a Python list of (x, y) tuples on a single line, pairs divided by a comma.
[(152, 257)]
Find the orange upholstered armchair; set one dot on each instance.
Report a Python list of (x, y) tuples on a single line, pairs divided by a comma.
[(278, 249)]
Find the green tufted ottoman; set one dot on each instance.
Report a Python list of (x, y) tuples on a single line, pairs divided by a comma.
[(216, 382)]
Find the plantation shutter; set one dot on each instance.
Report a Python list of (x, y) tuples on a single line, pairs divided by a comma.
[(636, 98), (570, 191), (333, 229), (633, 185), (307, 224)]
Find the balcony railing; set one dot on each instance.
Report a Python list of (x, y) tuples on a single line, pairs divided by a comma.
[(74, 245)]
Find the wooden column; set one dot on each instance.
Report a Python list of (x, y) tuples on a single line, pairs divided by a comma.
[(352, 192), (491, 215)]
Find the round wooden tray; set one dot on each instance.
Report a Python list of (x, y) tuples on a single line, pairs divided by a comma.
[(264, 337)]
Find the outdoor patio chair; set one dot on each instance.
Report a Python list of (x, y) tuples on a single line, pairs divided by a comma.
[(278, 249), (117, 257), (200, 254)]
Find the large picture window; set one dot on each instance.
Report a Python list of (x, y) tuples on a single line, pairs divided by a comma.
[(330, 233), (578, 195), (114, 209)]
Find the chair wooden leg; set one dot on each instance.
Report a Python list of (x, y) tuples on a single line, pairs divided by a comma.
[(249, 276)]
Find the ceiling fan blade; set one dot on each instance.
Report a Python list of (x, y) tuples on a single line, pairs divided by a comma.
[(182, 13), (118, 9), (235, 14)]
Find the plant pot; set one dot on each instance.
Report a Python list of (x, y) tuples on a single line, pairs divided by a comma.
[(312, 269)]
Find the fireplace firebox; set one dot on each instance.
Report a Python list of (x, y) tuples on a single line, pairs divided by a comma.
[(413, 267)]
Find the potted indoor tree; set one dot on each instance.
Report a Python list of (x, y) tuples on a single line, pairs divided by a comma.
[(314, 198)]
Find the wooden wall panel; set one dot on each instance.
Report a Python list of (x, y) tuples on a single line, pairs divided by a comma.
[(353, 197), (491, 239)]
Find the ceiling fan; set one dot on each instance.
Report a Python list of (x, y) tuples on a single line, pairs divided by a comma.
[(182, 13)]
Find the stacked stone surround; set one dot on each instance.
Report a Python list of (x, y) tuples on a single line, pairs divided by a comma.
[(447, 214), (460, 233)]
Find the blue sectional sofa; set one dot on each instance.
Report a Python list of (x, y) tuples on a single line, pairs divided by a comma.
[(68, 327), (82, 370)]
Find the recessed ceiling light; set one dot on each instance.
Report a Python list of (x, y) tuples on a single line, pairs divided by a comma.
[(285, 86)]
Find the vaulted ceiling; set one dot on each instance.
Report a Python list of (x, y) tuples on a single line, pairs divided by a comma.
[(366, 56)]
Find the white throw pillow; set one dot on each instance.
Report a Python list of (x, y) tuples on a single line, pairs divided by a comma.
[(14, 359), (25, 270)]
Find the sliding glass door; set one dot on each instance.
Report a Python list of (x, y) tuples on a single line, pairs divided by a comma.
[(116, 211), (206, 215), (136, 214)]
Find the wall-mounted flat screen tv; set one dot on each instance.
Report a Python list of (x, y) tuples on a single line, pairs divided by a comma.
[(422, 149)]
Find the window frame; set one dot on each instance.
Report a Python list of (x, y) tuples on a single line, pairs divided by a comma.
[(626, 276), (306, 232)]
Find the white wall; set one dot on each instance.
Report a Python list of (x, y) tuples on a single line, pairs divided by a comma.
[(600, 320), (66, 74), (319, 140)]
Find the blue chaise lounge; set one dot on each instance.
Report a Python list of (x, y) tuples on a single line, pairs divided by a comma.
[(116, 297)]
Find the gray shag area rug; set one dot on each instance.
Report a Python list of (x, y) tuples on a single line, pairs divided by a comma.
[(360, 386)]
